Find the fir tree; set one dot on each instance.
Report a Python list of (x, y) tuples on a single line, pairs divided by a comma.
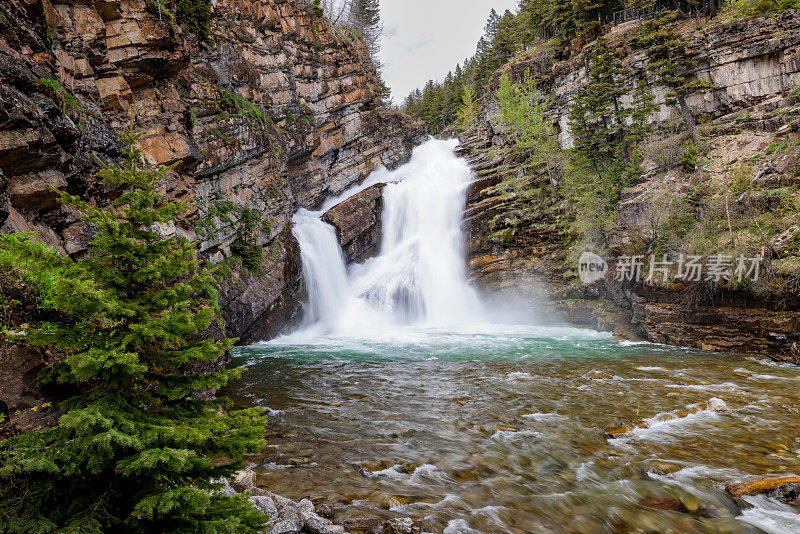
[(468, 111), (132, 451), (597, 118), (669, 62)]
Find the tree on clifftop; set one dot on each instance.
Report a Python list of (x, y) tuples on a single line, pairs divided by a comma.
[(132, 451), (669, 62)]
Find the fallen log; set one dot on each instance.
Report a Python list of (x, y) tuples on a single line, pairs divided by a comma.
[(761, 485)]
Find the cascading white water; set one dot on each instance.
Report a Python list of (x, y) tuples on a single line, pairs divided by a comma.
[(419, 276)]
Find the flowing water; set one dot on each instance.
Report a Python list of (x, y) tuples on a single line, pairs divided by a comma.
[(398, 398)]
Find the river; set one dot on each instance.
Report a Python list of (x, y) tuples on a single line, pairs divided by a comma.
[(399, 396)]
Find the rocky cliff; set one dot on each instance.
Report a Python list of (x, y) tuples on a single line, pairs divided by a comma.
[(273, 110), (525, 245)]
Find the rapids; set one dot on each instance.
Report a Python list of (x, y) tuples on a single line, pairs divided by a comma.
[(396, 397)]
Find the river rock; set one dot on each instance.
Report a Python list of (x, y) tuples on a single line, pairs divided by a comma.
[(319, 525), (265, 505), (243, 480), (664, 503), (788, 493), (717, 405), (401, 525)]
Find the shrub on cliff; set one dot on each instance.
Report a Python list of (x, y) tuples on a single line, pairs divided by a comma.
[(745, 8), (132, 453)]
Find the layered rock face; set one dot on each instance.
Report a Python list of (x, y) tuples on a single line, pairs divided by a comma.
[(276, 112), (357, 221), (524, 250)]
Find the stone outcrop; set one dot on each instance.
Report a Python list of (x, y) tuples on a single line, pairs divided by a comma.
[(523, 250), (21, 402), (277, 112), (358, 223)]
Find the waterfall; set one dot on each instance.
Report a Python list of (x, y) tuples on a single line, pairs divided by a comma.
[(418, 278)]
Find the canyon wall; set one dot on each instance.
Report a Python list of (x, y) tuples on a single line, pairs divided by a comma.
[(524, 248), (275, 111)]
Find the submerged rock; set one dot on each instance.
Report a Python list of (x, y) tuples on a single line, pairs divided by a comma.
[(665, 503)]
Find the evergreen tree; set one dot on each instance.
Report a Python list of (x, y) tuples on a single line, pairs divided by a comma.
[(132, 452), (669, 62), (597, 118), (469, 109)]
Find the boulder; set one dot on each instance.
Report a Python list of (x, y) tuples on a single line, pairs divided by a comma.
[(265, 505), (357, 221), (717, 405), (243, 480)]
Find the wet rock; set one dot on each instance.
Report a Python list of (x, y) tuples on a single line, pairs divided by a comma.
[(599, 375), (761, 485), (362, 525), (717, 405), (401, 525), (398, 500), (662, 468), (357, 221), (788, 493)]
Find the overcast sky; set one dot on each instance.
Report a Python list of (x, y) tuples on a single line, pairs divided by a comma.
[(423, 39)]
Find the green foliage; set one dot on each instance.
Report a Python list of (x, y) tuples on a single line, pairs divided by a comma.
[(669, 62), (69, 103), (677, 219), (468, 112), (156, 7), (317, 9), (224, 216), (690, 157), (197, 16), (216, 132), (132, 452), (746, 8), (307, 114), (238, 106), (16, 259), (597, 117), (522, 110)]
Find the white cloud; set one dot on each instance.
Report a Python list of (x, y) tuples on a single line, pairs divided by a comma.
[(424, 39)]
